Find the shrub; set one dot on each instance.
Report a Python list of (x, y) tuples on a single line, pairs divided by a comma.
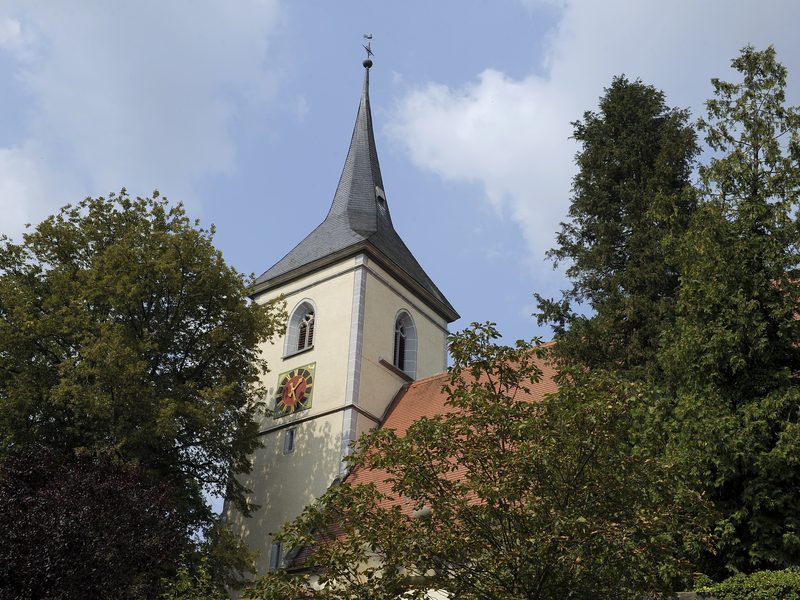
[(762, 585)]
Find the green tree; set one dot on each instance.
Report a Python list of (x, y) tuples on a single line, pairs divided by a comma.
[(763, 585), (732, 357), (523, 499), (122, 330), (193, 583), (632, 192)]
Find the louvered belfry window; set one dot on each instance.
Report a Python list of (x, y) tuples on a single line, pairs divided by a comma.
[(399, 360), (305, 339)]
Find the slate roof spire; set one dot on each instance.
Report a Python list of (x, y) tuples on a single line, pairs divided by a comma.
[(360, 193), (358, 221)]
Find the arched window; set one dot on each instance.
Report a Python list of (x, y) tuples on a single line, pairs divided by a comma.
[(404, 351), (301, 330)]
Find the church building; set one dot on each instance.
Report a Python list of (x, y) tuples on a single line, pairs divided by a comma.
[(364, 320)]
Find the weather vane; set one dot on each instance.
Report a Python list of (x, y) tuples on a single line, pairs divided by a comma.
[(368, 37)]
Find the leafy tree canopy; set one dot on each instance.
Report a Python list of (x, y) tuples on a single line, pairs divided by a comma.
[(763, 585), (193, 583), (84, 527), (695, 291), (731, 359), (525, 499), (632, 191), (122, 330)]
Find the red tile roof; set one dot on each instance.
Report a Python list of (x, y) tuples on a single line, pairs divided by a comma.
[(423, 398)]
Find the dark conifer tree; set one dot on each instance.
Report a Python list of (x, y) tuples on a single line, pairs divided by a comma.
[(632, 194)]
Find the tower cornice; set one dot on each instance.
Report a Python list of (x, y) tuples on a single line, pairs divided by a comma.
[(443, 309)]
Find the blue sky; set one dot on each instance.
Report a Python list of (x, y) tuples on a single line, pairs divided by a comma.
[(243, 111)]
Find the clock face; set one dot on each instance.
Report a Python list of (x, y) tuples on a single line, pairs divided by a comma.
[(294, 390)]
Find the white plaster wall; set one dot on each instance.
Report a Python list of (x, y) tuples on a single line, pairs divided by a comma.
[(283, 484), (385, 297), (332, 293)]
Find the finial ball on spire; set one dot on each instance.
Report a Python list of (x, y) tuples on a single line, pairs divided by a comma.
[(367, 63)]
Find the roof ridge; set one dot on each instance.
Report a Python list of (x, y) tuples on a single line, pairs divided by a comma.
[(426, 379)]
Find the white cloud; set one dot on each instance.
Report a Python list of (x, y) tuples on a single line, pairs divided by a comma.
[(15, 40), (300, 108), (20, 177), (10, 32), (136, 94), (496, 131), (512, 135)]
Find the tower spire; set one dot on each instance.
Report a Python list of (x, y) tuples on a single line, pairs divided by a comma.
[(360, 195), (358, 220)]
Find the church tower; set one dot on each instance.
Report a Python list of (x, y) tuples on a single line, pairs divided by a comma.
[(364, 319)]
